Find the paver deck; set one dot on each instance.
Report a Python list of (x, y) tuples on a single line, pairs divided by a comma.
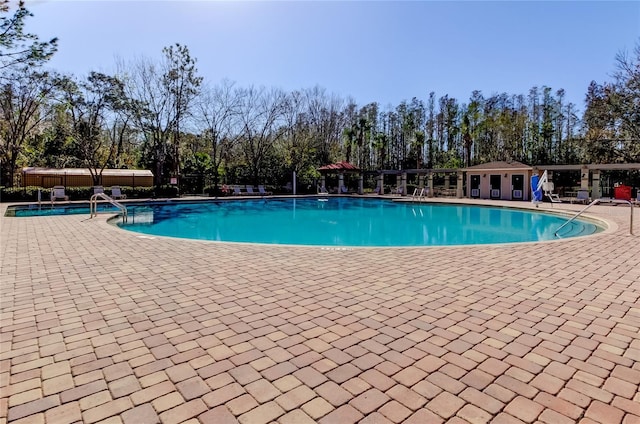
[(105, 325)]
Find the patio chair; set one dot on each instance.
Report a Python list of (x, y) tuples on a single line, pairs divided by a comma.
[(344, 190), (263, 192), (57, 193), (98, 189), (250, 190), (547, 189), (323, 190), (236, 191), (581, 197), (116, 193)]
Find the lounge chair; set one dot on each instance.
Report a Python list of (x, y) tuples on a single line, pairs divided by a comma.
[(397, 191), (250, 190), (116, 193), (323, 190), (344, 190), (57, 193), (236, 191), (98, 189), (263, 192), (547, 189), (581, 197)]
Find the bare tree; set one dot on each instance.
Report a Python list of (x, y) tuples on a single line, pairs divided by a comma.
[(624, 100), (297, 142), (325, 114), (216, 116), (95, 107), (24, 105), (161, 97), (260, 115)]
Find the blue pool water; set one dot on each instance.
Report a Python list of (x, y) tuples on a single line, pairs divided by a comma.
[(348, 222)]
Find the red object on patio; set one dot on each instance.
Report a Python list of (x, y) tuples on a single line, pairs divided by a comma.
[(622, 192)]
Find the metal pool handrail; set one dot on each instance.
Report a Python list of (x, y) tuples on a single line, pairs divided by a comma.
[(93, 205), (595, 202)]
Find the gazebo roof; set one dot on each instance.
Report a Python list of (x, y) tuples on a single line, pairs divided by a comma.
[(339, 167)]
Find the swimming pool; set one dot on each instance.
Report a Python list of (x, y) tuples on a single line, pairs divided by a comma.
[(349, 222)]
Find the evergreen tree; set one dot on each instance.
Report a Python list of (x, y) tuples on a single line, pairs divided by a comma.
[(20, 50)]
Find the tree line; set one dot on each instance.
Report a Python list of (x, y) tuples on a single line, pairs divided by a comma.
[(161, 114)]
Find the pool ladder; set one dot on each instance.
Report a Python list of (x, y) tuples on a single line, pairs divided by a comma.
[(420, 194), (595, 202), (93, 205)]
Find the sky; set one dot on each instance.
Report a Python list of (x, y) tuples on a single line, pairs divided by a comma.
[(369, 51)]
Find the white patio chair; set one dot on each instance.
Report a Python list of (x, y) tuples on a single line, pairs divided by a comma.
[(57, 193), (116, 193)]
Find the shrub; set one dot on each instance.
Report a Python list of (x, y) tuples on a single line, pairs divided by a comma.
[(132, 192), (213, 191), (165, 191), (78, 193), (30, 194), (138, 192), (23, 194)]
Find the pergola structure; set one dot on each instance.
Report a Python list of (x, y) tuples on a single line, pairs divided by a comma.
[(341, 168), (513, 173), (425, 179), (424, 176), (513, 177), (594, 169), (509, 180)]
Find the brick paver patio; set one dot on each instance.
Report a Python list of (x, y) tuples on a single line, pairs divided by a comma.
[(104, 325)]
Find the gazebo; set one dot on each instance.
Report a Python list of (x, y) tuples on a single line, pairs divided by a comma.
[(341, 168)]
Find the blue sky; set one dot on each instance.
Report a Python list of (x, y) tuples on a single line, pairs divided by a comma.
[(369, 51)]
